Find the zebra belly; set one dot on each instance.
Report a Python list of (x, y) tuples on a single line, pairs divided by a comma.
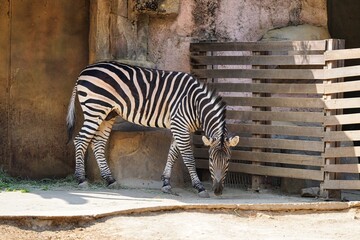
[(154, 120)]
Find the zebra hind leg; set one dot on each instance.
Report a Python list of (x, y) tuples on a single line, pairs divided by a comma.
[(98, 145), (165, 177), (81, 143)]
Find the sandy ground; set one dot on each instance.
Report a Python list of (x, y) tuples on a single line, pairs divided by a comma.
[(203, 225)]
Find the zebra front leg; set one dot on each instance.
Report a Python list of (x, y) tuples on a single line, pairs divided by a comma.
[(165, 177), (98, 144), (183, 143), (196, 183)]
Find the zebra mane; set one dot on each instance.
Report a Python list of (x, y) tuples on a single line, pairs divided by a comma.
[(220, 106)]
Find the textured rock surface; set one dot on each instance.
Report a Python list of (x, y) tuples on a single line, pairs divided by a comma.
[(119, 32)]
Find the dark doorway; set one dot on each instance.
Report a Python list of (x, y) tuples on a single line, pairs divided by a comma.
[(43, 46), (344, 23)]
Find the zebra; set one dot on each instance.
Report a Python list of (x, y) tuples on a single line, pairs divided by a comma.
[(151, 98)]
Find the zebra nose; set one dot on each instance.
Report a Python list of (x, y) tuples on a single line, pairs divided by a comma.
[(217, 187)]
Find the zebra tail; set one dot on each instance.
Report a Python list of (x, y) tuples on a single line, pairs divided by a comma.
[(70, 118)]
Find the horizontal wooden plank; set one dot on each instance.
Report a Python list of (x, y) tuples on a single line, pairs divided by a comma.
[(342, 103), (338, 152), (296, 74), (289, 144), (342, 119), (259, 60), (342, 184), (260, 46), (342, 136), (342, 72), (268, 170), (314, 117), (278, 102), (292, 88), (342, 54), (278, 130), (342, 168), (268, 157), (269, 88), (341, 87), (281, 144)]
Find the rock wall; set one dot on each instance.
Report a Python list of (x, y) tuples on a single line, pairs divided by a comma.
[(231, 20), (158, 33)]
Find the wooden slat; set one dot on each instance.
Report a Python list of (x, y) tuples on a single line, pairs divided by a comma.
[(342, 103), (342, 168), (342, 119), (269, 88), (342, 54), (341, 87), (281, 144), (342, 184), (279, 130), (268, 170), (300, 145), (277, 102), (268, 157), (314, 117), (260, 46), (342, 72), (259, 60), (342, 136), (296, 74), (338, 152)]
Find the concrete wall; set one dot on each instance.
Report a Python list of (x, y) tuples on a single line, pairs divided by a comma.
[(44, 44)]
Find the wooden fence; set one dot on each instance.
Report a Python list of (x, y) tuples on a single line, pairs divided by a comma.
[(286, 101)]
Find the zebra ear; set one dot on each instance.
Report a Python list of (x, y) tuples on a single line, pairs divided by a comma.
[(233, 141), (207, 141)]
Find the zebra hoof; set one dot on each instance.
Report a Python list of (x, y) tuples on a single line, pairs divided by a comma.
[(83, 185), (114, 185), (204, 194), (166, 189)]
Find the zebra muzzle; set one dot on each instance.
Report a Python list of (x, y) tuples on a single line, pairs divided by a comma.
[(217, 187)]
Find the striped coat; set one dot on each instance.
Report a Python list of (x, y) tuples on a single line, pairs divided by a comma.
[(152, 98)]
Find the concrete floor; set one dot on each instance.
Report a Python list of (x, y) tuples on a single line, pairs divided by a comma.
[(103, 202)]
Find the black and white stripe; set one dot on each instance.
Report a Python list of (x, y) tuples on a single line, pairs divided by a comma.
[(152, 98)]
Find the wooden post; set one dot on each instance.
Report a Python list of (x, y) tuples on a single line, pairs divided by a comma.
[(256, 180), (339, 63), (331, 45)]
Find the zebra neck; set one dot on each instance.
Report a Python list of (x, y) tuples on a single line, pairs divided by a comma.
[(212, 116)]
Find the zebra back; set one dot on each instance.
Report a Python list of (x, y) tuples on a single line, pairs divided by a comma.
[(149, 97)]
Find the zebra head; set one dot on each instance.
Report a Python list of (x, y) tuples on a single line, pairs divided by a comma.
[(219, 156)]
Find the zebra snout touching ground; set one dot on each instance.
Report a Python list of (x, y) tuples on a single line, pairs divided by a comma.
[(219, 157), (153, 98), (217, 187)]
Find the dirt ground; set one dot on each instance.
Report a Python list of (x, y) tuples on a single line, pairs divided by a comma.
[(201, 225)]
